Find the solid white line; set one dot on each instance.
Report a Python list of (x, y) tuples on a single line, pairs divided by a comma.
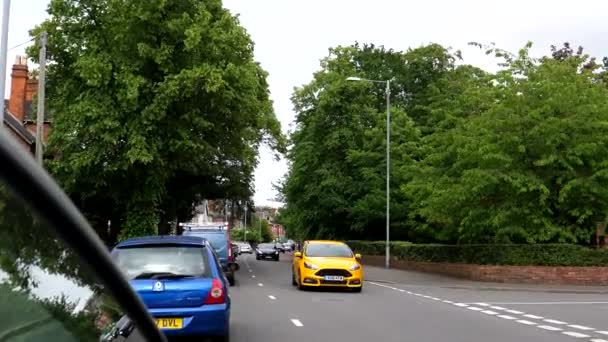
[(548, 327), (515, 312), (462, 305), (297, 323), (533, 316), (574, 334), (523, 321), (474, 308), (498, 308), (582, 327), (490, 312), (602, 332), (546, 303), (272, 297), (554, 321), (260, 284), (506, 316)]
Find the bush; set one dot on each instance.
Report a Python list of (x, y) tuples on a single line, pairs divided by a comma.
[(508, 254)]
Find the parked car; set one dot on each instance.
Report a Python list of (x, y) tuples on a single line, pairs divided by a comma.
[(267, 251), (220, 240), (279, 247), (287, 247), (68, 287), (181, 282), (245, 248)]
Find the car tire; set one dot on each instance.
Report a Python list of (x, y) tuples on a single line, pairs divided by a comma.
[(222, 338), (300, 286), (276, 259), (293, 279), (257, 257), (231, 280)]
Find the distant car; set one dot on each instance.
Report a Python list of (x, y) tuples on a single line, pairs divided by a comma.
[(267, 251), (245, 248), (180, 281), (220, 241), (287, 247), (327, 264), (279, 247)]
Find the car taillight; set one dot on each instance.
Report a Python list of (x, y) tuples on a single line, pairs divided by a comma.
[(230, 254), (216, 295)]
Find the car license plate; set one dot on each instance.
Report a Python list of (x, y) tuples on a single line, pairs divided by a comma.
[(334, 278), (169, 323)]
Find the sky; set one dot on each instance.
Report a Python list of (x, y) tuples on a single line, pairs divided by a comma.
[(291, 36)]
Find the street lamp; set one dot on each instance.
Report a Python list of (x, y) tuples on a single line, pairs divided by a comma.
[(388, 160)]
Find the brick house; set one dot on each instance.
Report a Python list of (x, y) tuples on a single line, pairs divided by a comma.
[(19, 120)]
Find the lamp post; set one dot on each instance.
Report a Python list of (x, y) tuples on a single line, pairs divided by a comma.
[(6, 9), (388, 160)]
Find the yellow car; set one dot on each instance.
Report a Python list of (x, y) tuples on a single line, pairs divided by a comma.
[(327, 263)]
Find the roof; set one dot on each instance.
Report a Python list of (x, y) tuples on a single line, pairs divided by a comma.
[(162, 240), (18, 127), (326, 242)]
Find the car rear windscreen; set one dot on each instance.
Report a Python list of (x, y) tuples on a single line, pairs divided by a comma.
[(179, 260), (219, 241)]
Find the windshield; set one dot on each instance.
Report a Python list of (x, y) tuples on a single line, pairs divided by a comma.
[(218, 241), (168, 261), (266, 245), (328, 250)]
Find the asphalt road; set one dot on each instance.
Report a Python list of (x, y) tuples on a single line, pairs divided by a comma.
[(408, 306)]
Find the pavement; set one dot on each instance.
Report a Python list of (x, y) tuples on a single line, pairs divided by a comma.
[(403, 306)]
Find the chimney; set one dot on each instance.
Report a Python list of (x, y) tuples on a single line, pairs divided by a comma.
[(31, 88), (16, 103)]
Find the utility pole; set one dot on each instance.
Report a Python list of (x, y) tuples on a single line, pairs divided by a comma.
[(40, 109), (245, 220), (6, 9), (260, 219)]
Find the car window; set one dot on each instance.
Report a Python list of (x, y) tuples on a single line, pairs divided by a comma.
[(328, 250), (46, 293), (180, 260), (219, 241)]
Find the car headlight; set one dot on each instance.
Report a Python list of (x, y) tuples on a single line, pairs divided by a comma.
[(354, 267), (276, 252), (310, 266)]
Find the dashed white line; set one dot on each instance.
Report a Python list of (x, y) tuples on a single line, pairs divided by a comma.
[(272, 297), (574, 334), (582, 327), (252, 276), (250, 270), (515, 312), (482, 304), (447, 301), (506, 316), (602, 332), (554, 321), (474, 308), (523, 321), (297, 323), (401, 290), (462, 305), (533, 316), (549, 327), (598, 340), (260, 284), (435, 298), (490, 312), (498, 307)]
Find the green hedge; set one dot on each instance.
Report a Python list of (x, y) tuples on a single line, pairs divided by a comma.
[(539, 254)]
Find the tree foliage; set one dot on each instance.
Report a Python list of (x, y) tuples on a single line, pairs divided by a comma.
[(156, 104), (516, 156)]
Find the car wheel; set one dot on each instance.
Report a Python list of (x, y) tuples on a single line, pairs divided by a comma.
[(257, 257), (293, 279), (231, 279), (276, 259), (222, 338), (299, 284)]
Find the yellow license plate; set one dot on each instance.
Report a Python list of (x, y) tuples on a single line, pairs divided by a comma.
[(169, 323)]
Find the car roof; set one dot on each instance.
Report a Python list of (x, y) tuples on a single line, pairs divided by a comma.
[(326, 242), (163, 240)]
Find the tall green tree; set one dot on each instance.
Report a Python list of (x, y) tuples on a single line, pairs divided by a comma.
[(156, 104)]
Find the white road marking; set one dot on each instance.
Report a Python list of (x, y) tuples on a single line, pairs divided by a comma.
[(448, 301), (435, 298), (515, 312), (546, 303), (549, 327), (408, 292), (574, 334), (506, 316), (272, 297), (253, 276), (598, 340), (498, 308), (482, 304), (425, 296), (582, 327), (401, 290), (462, 305), (490, 312), (260, 284), (533, 316), (297, 323), (250, 270), (554, 321), (602, 332), (474, 308), (523, 321)]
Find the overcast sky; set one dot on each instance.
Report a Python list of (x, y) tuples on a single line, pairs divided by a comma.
[(291, 36)]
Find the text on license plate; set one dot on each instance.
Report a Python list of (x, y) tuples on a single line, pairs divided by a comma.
[(334, 278), (169, 323)]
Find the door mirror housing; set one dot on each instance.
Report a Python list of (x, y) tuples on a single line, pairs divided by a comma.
[(358, 256), (297, 254)]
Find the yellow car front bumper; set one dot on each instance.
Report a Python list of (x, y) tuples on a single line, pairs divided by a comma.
[(317, 278)]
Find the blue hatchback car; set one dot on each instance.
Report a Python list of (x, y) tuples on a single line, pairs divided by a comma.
[(180, 281)]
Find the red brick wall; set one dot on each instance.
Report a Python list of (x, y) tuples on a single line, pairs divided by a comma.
[(563, 275)]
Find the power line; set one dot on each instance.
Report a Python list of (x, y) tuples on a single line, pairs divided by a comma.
[(18, 45)]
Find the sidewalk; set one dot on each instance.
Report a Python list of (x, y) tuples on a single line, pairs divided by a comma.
[(420, 279)]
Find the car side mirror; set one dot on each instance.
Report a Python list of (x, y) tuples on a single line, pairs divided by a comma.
[(297, 254), (358, 256)]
